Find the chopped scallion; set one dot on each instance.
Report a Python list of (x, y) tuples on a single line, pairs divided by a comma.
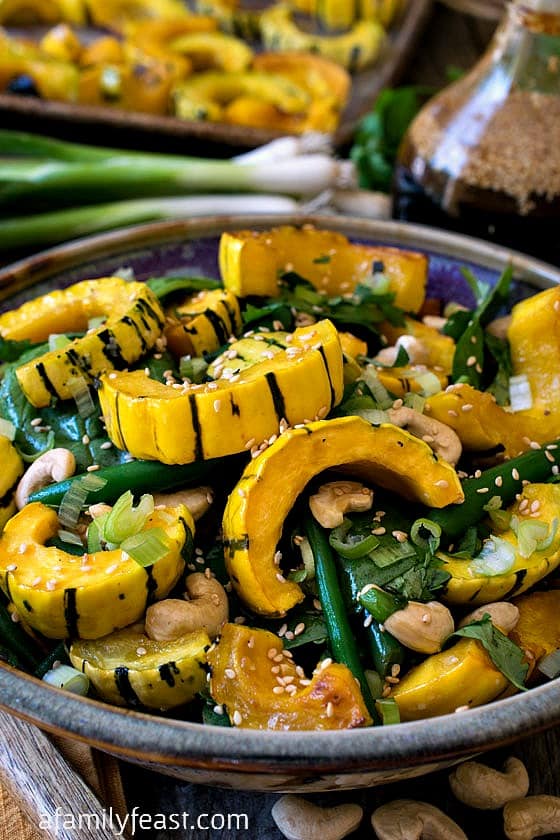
[(147, 547), (125, 520), (388, 711), (7, 429), (550, 665), (80, 391), (496, 558), (68, 678), (352, 546)]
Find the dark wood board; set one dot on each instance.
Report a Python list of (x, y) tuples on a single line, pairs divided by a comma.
[(113, 127)]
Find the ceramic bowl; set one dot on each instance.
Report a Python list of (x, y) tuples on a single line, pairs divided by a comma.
[(237, 758)]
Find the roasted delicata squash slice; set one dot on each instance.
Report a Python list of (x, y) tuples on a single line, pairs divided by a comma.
[(439, 348), (534, 340), (538, 503), (384, 455), (128, 668), (538, 628), (251, 263), (12, 469), (355, 49), (330, 700), (116, 14), (29, 12), (204, 96), (214, 50), (64, 595), (322, 78), (202, 323), (231, 414), (480, 422), (134, 321), (339, 14), (462, 675)]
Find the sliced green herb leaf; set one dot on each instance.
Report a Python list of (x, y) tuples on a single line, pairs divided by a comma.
[(504, 653)]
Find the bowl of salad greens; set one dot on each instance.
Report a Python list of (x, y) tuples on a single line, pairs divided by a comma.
[(279, 500)]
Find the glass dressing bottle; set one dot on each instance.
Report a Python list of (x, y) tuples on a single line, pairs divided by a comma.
[(483, 156)]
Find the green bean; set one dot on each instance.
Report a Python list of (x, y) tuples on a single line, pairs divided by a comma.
[(385, 650), (341, 638), (532, 466)]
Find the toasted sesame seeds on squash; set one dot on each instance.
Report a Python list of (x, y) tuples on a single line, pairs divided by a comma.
[(252, 261), (64, 595), (129, 669), (244, 666), (538, 502), (134, 322), (222, 417), (462, 675), (384, 455)]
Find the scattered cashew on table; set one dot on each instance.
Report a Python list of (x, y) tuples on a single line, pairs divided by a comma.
[(473, 783)]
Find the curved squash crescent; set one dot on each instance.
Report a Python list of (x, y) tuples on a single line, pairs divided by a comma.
[(385, 455)]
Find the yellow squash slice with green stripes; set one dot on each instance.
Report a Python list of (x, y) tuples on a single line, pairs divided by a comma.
[(12, 470), (129, 669), (194, 422), (538, 502), (202, 323), (64, 595), (134, 321), (252, 262), (384, 455)]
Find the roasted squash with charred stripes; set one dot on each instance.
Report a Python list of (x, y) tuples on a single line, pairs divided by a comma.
[(12, 469), (134, 322), (231, 414), (202, 323), (63, 595)]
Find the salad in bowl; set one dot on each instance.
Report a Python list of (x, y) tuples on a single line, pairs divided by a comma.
[(301, 496)]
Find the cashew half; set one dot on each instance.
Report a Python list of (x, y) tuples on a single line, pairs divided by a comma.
[(54, 465), (503, 615), (442, 439), (531, 817), (416, 350), (207, 610), (299, 819), (405, 819), (421, 627), (336, 498), (196, 499), (479, 786)]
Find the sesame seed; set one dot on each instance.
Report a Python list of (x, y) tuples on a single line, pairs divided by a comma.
[(230, 673), (392, 680), (217, 405), (442, 483), (37, 421), (549, 457), (237, 719), (368, 620), (110, 569), (11, 568), (477, 473), (515, 474), (462, 708), (290, 635), (478, 368), (330, 709), (386, 691), (250, 443), (280, 578), (282, 630), (92, 467), (85, 439), (377, 532), (15, 617), (534, 445), (467, 407), (36, 581), (271, 653), (239, 619), (326, 663), (395, 670), (278, 689), (218, 710), (498, 481), (299, 629), (555, 469), (241, 492), (290, 689), (106, 445), (535, 506), (483, 490), (400, 536), (50, 585), (141, 651), (275, 669), (471, 361), (452, 413), (317, 604)]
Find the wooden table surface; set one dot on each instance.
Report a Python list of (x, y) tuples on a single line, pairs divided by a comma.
[(452, 40)]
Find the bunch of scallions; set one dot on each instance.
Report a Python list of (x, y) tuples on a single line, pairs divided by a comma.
[(52, 191)]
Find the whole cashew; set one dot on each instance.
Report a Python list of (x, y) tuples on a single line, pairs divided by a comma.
[(405, 819), (207, 610), (196, 499), (531, 817), (421, 627), (299, 819), (479, 786), (334, 499), (54, 465), (503, 615), (442, 439)]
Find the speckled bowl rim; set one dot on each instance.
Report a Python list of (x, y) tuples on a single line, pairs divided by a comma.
[(142, 737)]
